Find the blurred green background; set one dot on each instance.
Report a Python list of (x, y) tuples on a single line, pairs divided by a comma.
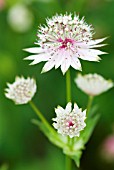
[(22, 145)]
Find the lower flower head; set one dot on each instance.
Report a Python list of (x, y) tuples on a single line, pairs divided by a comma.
[(22, 90), (93, 84), (69, 122)]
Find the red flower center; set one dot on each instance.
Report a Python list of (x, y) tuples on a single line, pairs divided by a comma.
[(66, 42), (70, 123)]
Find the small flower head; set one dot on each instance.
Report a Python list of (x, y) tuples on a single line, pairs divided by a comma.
[(63, 41), (93, 84), (69, 122), (20, 18), (22, 90)]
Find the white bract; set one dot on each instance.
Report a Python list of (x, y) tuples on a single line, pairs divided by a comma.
[(22, 90), (63, 41), (69, 122), (93, 84)]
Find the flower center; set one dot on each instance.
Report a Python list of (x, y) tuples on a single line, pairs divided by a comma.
[(67, 43), (70, 123)]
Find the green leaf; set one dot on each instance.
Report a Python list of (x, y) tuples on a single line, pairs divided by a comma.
[(93, 111), (90, 125), (52, 136)]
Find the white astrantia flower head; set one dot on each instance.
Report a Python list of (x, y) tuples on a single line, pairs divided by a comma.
[(69, 122), (93, 84), (22, 90), (63, 41)]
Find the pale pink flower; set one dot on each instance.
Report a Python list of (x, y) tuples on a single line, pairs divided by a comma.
[(63, 41), (107, 150)]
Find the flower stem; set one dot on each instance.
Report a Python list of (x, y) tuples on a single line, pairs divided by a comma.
[(68, 86), (42, 118), (68, 163), (90, 100), (68, 98)]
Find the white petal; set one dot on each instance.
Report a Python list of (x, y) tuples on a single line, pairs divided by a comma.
[(90, 58), (34, 50), (87, 55), (93, 42), (65, 64), (84, 113), (68, 107), (76, 106), (37, 58), (95, 52), (55, 125), (75, 63), (8, 95), (95, 46), (59, 110), (59, 59), (48, 66)]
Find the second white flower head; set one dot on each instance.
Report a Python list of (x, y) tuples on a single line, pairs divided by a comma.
[(69, 122), (63, 42), (22, 90), (93, 84)]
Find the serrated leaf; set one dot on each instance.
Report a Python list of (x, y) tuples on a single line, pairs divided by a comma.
[(75, 152), (52, 136)]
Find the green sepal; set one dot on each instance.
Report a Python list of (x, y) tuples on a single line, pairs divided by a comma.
[(77, 158), (75, 152)]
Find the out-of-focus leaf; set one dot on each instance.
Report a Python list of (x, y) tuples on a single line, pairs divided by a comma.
[(93, 110), (90, 125), (52, 136), (4, 167)]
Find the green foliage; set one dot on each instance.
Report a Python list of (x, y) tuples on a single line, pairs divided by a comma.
[(4, 167), (73, 150)]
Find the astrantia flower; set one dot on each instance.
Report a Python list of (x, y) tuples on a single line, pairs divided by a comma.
[(63, 41), (93, 84), (69, 122), (22, 90)]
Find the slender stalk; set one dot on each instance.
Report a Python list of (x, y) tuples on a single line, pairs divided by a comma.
[(90, 100), (68, 163), (42, 118), (68, 86), (68, 98)]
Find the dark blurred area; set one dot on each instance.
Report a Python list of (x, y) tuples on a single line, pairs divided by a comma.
[(22, 145)]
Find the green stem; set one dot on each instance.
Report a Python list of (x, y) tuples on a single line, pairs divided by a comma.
[(68, 163), (68, 86), (42, 118), (90, 100), (68, 97)]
